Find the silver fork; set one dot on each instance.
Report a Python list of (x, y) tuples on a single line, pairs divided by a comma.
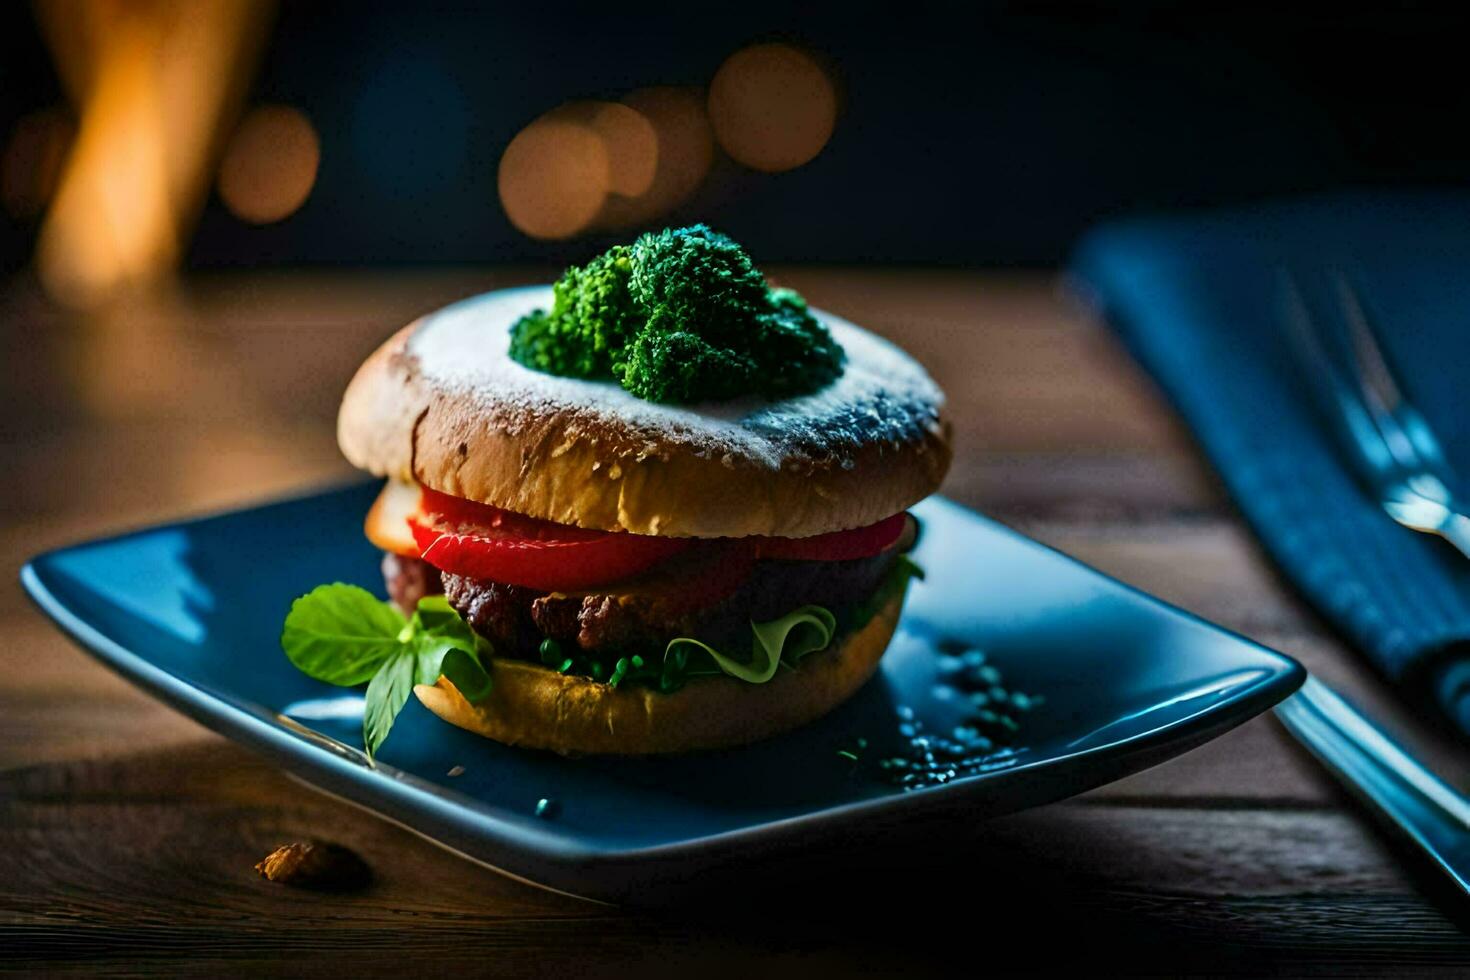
[(1387, 440)]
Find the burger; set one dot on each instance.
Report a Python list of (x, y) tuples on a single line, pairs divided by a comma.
[(657, 507)]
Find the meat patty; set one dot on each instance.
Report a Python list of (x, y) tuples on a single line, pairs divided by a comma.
[(645, 615), (409, 580)]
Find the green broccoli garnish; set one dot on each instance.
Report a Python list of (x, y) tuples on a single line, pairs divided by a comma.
[(592, 316), (680, 315)]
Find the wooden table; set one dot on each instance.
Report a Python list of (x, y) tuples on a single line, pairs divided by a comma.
[(128, 834)]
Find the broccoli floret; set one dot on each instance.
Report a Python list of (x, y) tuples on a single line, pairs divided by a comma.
[(680, 366), (681, 315), (698, 280), (800, 354), (592, 318)]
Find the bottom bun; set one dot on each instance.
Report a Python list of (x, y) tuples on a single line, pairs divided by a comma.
[(539, 708)]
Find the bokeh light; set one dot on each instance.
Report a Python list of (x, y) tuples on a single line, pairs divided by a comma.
[(113, 220), (32, 161), (270, 164), (772, 106), (630, 141), (554, 177), (151, 84), (685, 150)]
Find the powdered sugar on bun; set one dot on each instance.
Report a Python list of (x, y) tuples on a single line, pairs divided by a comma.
[(883, 394)]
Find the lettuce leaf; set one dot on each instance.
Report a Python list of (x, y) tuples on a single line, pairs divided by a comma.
[(785, 640)]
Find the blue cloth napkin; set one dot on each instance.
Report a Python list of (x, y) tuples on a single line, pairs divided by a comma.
[(1197, 299)]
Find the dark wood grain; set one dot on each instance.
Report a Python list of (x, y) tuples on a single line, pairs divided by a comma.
[(128, 834)]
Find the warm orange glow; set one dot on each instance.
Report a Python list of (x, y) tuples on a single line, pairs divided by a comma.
[(270, 164), (772, 107), (631, 143), (685, 150), (112, 220), (152, 80), (32, 161), (554, 177), (632, 147)]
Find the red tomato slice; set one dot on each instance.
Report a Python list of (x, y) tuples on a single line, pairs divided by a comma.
[(859, 542), (467, 538)]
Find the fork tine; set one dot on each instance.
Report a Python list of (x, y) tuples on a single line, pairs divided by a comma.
[(1380, 429), (1399, 419), (1342, 398), (1375, 383), (1304, 334), (1371, 365)]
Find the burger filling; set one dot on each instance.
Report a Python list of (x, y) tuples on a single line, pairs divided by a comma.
[(607, 605), (516, 618)]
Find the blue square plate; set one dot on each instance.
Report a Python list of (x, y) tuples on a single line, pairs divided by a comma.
[(191, 612)]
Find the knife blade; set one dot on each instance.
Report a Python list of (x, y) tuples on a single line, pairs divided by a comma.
[(1374, 768)]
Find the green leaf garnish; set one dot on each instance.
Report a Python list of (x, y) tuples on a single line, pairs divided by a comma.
[(343, 635), (434, 614), (463, 668), (788, 639), (387, 693)]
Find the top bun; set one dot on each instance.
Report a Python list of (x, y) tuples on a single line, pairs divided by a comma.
[(442, 403)]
